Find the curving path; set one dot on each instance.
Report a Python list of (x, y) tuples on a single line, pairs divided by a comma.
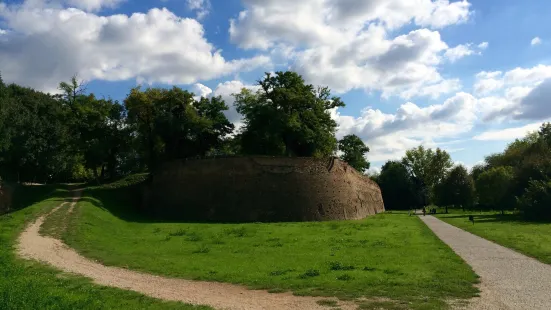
[(32, 245), (509, 280)]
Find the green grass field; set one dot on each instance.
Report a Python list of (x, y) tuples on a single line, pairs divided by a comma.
[(509, 230), (30, 285), (390, 255)]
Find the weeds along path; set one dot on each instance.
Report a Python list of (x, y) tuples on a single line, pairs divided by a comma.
[(31, 245)]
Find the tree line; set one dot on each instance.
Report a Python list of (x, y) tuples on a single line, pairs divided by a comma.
[(517, 179), (76, 136)]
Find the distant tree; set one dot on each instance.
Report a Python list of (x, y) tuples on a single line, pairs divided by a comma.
[(477, 170), (288, 117), (397, 187), (494, 186), (536, 200), (457, 189), (429, 166), (354, 150)]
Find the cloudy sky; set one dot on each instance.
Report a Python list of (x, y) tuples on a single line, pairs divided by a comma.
[(466, 76)]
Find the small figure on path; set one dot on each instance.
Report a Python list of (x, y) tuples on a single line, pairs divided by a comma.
[(471, 218), (424, 211)]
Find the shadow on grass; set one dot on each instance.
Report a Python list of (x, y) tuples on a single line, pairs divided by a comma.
[(27, 195), (496, 218)]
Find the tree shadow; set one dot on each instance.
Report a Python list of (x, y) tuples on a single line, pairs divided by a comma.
[(25, 196), (497, 218)]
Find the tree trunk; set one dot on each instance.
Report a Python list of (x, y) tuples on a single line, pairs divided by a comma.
[(446, 209)]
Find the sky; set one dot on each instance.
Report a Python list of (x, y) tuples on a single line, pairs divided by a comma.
[(468, 76)]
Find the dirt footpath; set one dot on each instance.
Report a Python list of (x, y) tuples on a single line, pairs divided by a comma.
[(217, 295)]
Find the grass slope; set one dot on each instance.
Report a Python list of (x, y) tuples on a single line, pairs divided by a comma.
[(30, 285), (509, 230), (389, 255)]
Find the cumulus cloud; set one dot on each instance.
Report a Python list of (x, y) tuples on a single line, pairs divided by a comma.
[(49, 45), (535, 41), (458, 52), (535, 106), (346, 44), (200, 90), (487, 82), (201, 7), (390, 134), (518, 94), (226, 90), (94, 5), (508, 133)]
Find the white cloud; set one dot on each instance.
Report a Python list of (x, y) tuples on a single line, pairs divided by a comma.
[(200, 90), (458, 52), (535, 105), (462, 50), (94, 5), (226, 90), (390, 135), (488, 82), (508, 133), (158, 46), (483, 45), (535, 41), (400, 66), (2, 32), (346, 44), (201, 7)]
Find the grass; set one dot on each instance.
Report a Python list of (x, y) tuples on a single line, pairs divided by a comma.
[(392, 256), (30, 285), (509, 230)]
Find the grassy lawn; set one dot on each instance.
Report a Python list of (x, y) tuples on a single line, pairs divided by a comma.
[(509, 230), (391, 256), (30, 285)]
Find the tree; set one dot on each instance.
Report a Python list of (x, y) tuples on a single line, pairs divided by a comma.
[(536, 200), (354, 151), (397, 187), (429, 166), (493, 187), (457, 189), (171, 124), (288, 117)]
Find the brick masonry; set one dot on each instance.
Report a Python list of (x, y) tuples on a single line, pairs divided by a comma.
[(261, 189)]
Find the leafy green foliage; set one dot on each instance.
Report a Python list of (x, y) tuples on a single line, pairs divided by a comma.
[(494, 186), (457, 189), (397, 187), (288, 117), (354, 150), (536, 200), (171, 124), (427, 166)]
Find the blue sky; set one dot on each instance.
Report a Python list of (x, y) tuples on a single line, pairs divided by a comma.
[(468, 76)]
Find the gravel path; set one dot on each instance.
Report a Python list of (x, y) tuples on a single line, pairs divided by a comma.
[(509, 280), (217, 295)]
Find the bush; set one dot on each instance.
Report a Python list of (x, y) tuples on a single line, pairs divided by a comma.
[(536, 200)]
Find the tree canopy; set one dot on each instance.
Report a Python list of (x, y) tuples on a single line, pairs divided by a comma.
[(354, 150), (286, 116)]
